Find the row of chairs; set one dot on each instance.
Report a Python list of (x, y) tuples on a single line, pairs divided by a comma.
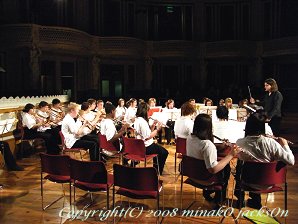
[(92, 176), (134, 149)]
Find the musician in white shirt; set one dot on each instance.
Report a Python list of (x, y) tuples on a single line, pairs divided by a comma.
[(200, 145), (108, 127), (184, 124), (257, 147), (170, 123), (34, 128), (146, 133), (120, 110), (130, 113), (73, 131), (56, 113)]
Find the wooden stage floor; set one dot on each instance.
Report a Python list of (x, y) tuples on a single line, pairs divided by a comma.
[(20, 200)]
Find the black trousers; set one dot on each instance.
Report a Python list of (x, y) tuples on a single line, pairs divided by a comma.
[(50, 137), (89, 142), (238, 193), (162, 155), (8, 157), (274, 123)]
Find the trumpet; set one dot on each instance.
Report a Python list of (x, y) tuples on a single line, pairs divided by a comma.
[(162, 124)]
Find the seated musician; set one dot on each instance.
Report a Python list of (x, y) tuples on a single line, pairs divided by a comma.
[(130, 113), (146, 133), (90, 116), (108, 127), (200, 145), (120, 110), (257, 147), (192, 102), (73, 130), (152, 102), (36, 128), (221, 102), (208, 102), (170, 123), (56, 113), (10, 161), (229, 103), (100, 108), (184, 124)]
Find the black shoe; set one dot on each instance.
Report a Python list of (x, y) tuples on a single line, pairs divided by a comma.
[(207, 196), (253, 204), (16, 168)]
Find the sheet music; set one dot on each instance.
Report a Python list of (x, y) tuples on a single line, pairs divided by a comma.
[(5, 125), (231, 130)]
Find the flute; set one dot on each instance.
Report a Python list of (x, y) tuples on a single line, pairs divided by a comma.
[(241, 149), (159, 122), (88, 124), (276, 138)]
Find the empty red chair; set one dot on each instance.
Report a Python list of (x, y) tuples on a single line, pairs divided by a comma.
[(90, 176), (137, 183), (57, 169)]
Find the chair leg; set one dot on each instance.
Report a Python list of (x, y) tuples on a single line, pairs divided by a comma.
[(113, 197), (108, 198), (286, 196), (175, 162), (181, 193)]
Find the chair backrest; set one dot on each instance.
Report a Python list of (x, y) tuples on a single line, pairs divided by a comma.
[(55, 164), (62, 139), (136, 178), (263, 173), (181, 145), (104, 144), (134, 146), (88, 171), (196, 169)]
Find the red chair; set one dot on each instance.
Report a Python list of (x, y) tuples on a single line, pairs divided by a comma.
[(70, 150), (137, 183), (57, 168), (264, 174), (199, 176), (109, 146), (180, 150), (90, 176), (135, 150)]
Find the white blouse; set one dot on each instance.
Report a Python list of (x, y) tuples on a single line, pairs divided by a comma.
[(142, 131)]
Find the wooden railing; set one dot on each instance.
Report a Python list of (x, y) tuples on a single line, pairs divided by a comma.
[(68, 39)]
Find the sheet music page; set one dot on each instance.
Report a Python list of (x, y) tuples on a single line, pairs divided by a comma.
[(231, 130), (5, 125), (160, 116), (233, 114)]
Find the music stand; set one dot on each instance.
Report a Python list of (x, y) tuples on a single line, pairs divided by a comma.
[(5, 126)]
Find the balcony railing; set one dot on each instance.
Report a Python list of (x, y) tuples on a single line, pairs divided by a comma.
[(81, 43)]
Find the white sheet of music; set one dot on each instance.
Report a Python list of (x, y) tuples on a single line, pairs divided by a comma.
[(232, 115), (231, 130), (172, 114), (5, 125)]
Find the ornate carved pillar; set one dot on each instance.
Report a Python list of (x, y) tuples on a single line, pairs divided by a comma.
[(35, 53), (148, 72)]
